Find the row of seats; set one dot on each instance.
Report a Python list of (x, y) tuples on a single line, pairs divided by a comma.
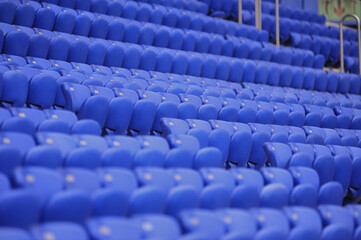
[(93, 51), (287, 12), (31, 120), (299, 26), (156, 191), (296, 26), (85, 5), (167, 82), (345, 165), (23, 93), (119, 29), (318, 38), (90, 151), (326, 44), (276, 133), (265, 93), (158, 82), (327, 222), (247, 145), (95, 5), (150, 190), (187, 106), (229, 8), (333, 163), (226, 104), (191, 5), (346, 37), (97, 51), (66, 92), (27, 120), (78, 99), (48, 15), (328, 47)]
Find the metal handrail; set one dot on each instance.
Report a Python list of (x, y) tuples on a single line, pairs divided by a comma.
[(342, 57), (277, 15), (258, 13), (258, 18), (240, 11)]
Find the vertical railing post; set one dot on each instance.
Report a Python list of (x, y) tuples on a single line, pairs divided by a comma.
[(258, 13), (277, 15), (342, 57), (240, 11)]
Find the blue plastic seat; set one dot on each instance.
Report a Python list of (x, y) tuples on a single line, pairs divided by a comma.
[(65, 143), (34, 115), (44, 156), (272, 223), (338, 222), (85, 157), (143, 116), (18, 124), (354, 177), (15, 89), (219, 185), (306, 184), (123, 146), (279, 155), (158, 226), (203, 222), (187, 177), (86, 106), (86, 126), (120, 179), (59, 205), (120, 106), (331, 193), (154, 177), (304, 222), (239, 134), (184, 149), (10, 157), (275, 195), (39, 85), (149, 199), (152, 153), (276, 175), (81, 179), (208, 157), (174, 126), (218, 176), (15, 211), (115, 200), (12, 42), (348, 137), (37, 180), (342, 158), (234, 219), (69, 117), (354, 209), (182, 197), (323, 157), (21, 142)]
